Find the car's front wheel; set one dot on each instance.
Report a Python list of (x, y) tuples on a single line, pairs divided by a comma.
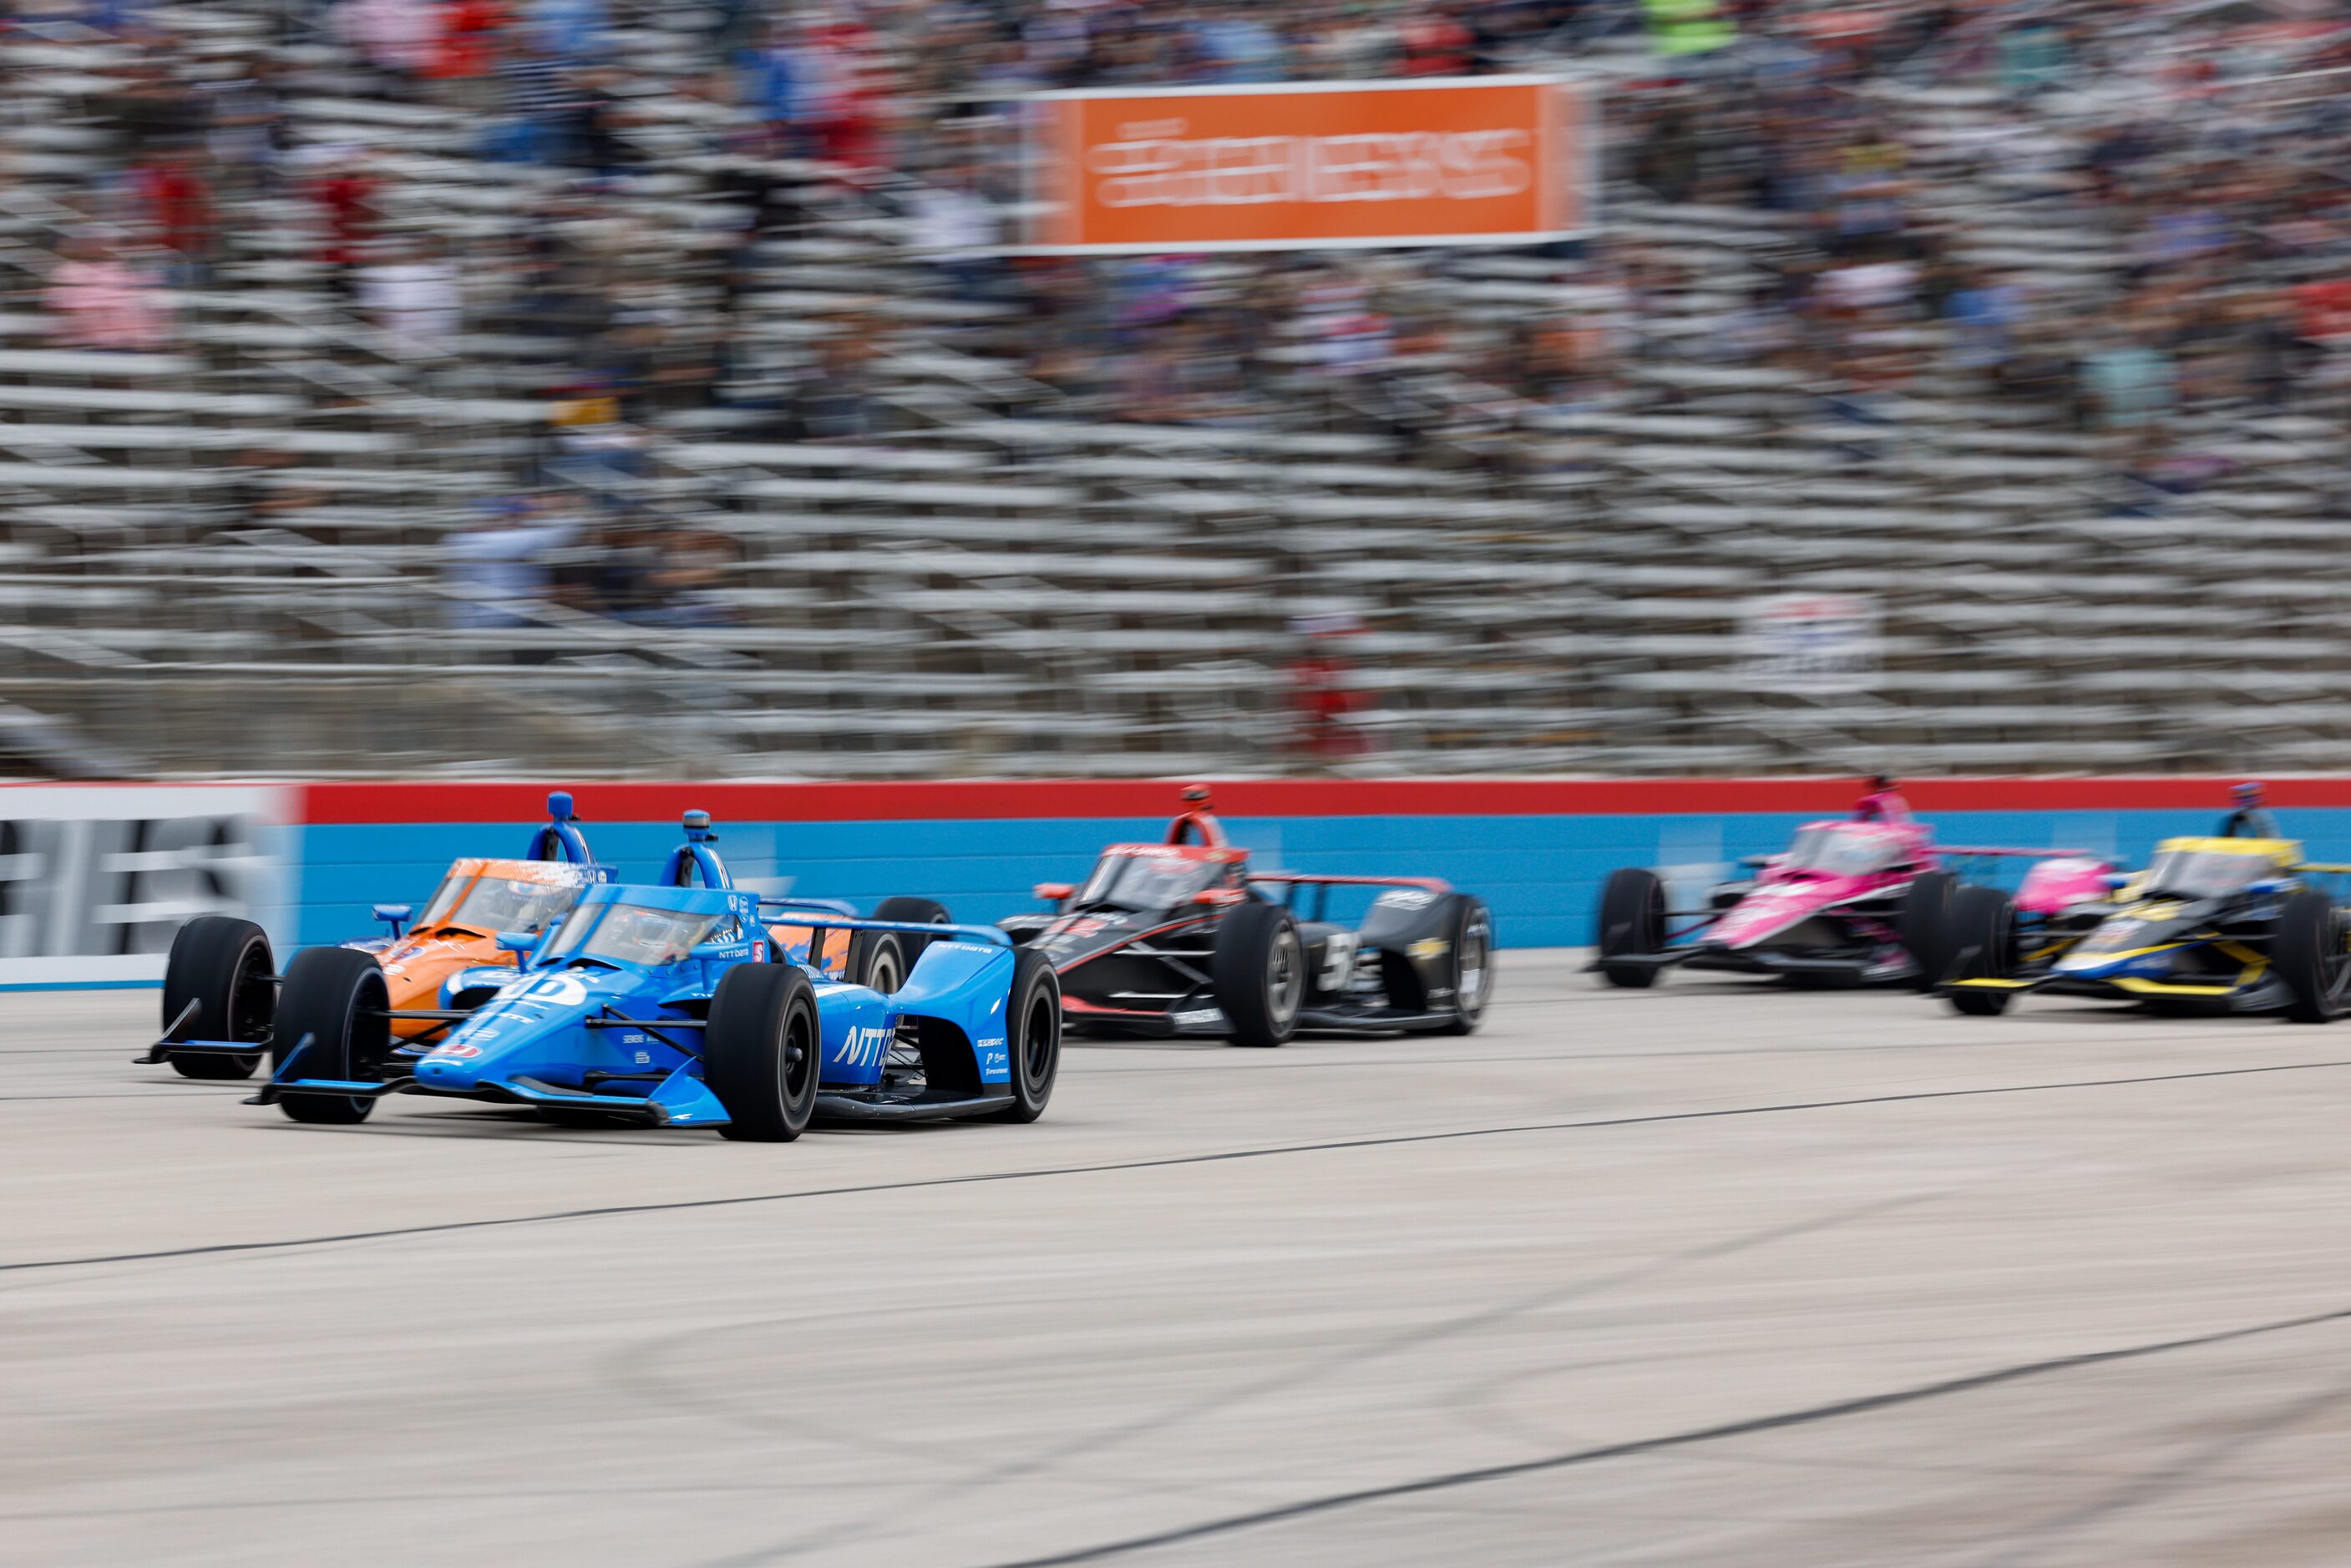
[(1925, 926), (762, 1053), (1632, 924), (1982, 947), (2311, 955), (1473, 967), (331, 1024), (221, 966), (1258, 966), (1032, 1033)]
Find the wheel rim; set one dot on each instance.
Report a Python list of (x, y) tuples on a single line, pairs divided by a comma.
[(882, 974), (1470, 990), (1037, 1050), (1285, 976), (799, 1062)]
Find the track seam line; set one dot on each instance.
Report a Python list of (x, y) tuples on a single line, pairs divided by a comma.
[(1861, 1404), (1163, 1162)]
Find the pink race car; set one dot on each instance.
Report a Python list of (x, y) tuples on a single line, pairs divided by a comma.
[(1865, 900)]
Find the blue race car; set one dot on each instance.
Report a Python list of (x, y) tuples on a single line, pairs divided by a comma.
[(675, 1005)]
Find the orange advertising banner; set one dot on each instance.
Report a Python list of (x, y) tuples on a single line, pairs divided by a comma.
[(1453, 161)]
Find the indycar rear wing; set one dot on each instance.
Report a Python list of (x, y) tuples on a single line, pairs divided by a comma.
[(1320, 904), (801, 915), (1427, 884), (1971, 851)]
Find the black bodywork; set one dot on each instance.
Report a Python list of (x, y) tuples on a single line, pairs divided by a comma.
[(1150, 970)]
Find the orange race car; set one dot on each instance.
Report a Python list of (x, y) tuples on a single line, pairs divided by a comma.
[(220, 984)]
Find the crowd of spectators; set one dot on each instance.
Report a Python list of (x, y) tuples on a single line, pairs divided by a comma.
[(2202, 143)]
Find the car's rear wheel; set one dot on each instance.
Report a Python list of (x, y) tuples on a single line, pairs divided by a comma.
[(1632, 924), (1473, 967), (882, 961), (2311, 952), (223, 965), (762, 1053), (877, 959), (1982, 947), (1032, 1035), (1925, 925), (1258, 968), (331, 1025)]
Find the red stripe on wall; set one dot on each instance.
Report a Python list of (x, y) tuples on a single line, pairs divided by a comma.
[(972, 800)]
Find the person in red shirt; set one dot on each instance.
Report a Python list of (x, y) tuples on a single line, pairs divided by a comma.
[(346, 197), (466, 51), (1322, 690), (180, 204)]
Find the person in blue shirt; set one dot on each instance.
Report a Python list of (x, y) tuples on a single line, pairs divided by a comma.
[(2252, 819)]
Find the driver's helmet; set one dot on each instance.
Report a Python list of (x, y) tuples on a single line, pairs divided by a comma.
[(2247, 794), (643, 930)]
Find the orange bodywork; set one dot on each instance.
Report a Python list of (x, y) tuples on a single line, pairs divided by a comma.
[(826, 952), (415, 965)]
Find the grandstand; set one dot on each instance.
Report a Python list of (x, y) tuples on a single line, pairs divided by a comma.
[(244, 552)]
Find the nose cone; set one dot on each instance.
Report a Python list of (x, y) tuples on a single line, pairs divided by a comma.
[(448, 1071)]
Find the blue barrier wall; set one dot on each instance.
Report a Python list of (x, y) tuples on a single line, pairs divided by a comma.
[(1541, 873)]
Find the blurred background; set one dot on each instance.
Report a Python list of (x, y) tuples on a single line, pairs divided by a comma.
[(605, 388)]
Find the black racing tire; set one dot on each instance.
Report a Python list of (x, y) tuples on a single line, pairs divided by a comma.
[(2311, 954), (882, 959), (1258, 969), (1032, 1035), (763, 1053), (223, 965), (1632, 921), (331, 1025), (878, 959), (1982, 947), (1924, 925), (1473, 967)]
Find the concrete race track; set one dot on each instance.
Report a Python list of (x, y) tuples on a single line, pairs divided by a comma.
[(1715, 1273)]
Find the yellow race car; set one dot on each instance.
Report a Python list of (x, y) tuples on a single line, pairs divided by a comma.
[(2221, 925)]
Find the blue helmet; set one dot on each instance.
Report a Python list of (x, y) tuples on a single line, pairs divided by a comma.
[(2247, 794)]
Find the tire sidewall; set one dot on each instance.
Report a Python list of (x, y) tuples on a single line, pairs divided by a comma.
[(326, 994), (758, 1013), (2307, 929), (1632, 921), (1474, 917), (1035, 1060), (1242, 966), (877, 956), (1981, 936), (223, 964), (1926, 929)]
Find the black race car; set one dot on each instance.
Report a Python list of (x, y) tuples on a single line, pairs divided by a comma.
[(1182, 938)]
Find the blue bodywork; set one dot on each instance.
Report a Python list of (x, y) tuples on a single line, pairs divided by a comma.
[(607, 1035)]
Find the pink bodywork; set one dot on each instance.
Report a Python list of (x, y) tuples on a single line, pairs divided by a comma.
[(1785, 895), (2062, 883)]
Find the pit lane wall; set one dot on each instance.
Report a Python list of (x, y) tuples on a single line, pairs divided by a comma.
[(95, 878)]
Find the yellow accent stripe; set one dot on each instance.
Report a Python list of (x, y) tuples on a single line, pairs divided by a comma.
[(1990, 984), (2156, 988)]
